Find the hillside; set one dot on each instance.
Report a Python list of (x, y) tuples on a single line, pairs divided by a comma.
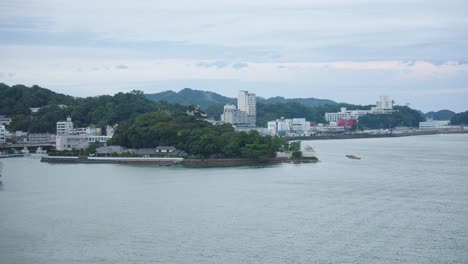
[(208, 100), (16, 101), (312, 102), (440, 115), (188, 96)]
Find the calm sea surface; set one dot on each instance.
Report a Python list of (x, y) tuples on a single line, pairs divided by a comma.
[(406, 201)]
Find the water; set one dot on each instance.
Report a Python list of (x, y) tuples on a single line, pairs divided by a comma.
[(406, 201)]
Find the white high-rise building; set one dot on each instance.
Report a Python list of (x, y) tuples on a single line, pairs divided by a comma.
[(247, 102), (383, 104), (64, 127)]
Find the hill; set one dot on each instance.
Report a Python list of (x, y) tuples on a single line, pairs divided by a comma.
[(460, 119), (440, 115), (209, 100), (99, 111), (188, 96), (312, 102)]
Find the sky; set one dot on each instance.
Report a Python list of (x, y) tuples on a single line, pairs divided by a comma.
[(415, 51)]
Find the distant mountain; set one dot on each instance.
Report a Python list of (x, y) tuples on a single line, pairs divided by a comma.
[(206, 99), (188, 96), (440, 115), (304, 101)]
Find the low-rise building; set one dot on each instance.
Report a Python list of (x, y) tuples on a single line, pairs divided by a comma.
[(41, 138), (434, 124), (69, 142)]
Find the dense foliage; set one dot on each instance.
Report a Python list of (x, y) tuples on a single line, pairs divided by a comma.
[(460, 119), (196, 137), (99, 111), (404, 116)]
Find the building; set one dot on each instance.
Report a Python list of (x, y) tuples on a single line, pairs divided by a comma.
[(41, 138), (69, 142), (345, 114), (288, 126), (246, 112), (5, 120), (64, 127), (165, 149), (2, 134), (384, 105), (434, 124), (234, 116), (247, 102)]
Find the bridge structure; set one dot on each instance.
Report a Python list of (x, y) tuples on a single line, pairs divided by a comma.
[(30, 146)]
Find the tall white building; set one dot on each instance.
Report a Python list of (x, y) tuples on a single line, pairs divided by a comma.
[(247, 102), (64, 127), (246, 112), (2, 134)]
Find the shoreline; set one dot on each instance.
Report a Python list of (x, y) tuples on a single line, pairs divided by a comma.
[(363, 136), (172, 161)]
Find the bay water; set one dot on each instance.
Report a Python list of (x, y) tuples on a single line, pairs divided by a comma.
[(405, 201)]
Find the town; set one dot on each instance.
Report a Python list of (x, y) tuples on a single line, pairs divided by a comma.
[(242, 117)]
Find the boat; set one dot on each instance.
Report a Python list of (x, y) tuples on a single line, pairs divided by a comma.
[(25, 151), (353, 157), (40, 152)]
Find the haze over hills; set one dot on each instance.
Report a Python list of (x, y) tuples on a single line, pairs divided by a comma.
[(207, 99)]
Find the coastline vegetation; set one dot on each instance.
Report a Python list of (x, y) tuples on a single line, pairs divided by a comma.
[(198, 138)]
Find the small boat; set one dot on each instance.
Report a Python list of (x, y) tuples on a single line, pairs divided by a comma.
[(25, 151), (353, 157), (40, 152)]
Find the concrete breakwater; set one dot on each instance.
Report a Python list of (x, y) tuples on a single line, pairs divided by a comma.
[(170, 161)]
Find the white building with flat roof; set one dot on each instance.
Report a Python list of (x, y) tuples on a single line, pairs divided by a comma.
[(434, 124), (65, 127)]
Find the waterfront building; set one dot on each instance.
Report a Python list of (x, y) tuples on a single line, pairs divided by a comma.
[(288, 126), (80, 141), (434, 124), (41, 138), (2, 134), (64, 127)]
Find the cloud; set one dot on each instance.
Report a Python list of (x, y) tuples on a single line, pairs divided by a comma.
[(217, 64), (240, 65), (121, 67)]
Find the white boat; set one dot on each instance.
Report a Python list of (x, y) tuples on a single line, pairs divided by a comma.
[(40, 152), (25, 151)]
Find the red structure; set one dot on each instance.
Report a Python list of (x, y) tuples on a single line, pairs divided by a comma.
[(346, 123)]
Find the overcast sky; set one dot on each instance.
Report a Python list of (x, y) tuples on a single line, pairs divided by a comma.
[(347, 51)]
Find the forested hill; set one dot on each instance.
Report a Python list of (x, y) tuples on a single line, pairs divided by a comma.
[(440, 115), (192, 97), (16, 101), (209, 100)]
